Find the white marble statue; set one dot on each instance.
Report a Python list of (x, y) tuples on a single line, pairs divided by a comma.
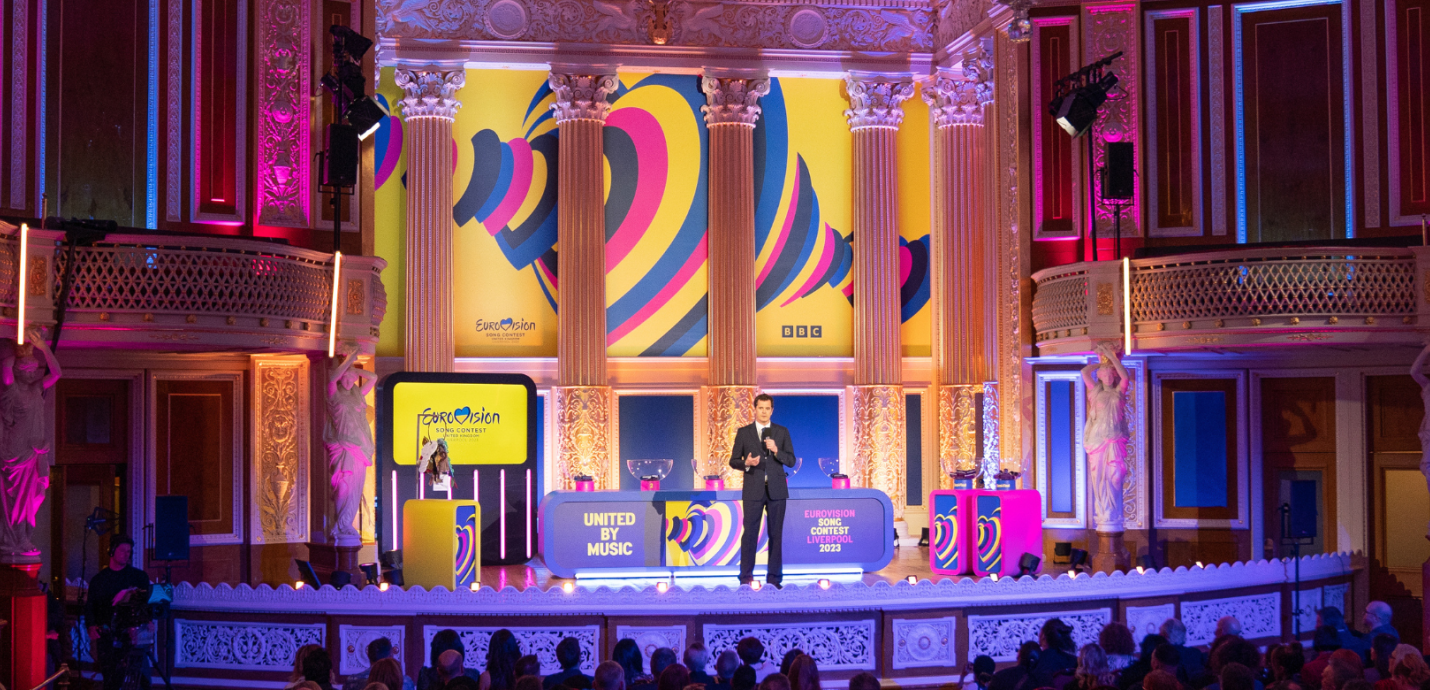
[(1105, 436), (24, 442), (348, 439), (1417, 372)]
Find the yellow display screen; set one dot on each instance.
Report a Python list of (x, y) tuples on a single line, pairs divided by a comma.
[(483, 423)]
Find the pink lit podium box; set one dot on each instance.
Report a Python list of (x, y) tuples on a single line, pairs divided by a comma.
[(983, 532)]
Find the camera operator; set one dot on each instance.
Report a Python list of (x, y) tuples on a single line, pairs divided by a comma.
[(113, 584)]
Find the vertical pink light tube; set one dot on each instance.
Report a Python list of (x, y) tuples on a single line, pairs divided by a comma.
[(528, 513), (396, 538), (502, 508)]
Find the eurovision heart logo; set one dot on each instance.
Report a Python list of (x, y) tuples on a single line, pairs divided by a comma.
[(709, 531), (461, 414), (507, 322)]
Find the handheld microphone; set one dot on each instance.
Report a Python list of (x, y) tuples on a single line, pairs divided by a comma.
[(764, 451)]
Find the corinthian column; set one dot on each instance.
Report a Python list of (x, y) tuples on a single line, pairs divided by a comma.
[(583, 398), (880, 445), (731, 109), (428, 108), (964, 271)]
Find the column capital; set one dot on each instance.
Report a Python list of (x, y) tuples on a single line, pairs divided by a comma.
[(732, 100), (430, 92), (875, 102), (582, 96), (959, 99)]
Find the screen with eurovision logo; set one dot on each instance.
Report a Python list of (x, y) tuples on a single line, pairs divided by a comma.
[(486, 426)]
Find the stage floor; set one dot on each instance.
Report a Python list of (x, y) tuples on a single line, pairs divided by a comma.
[(908, 560)]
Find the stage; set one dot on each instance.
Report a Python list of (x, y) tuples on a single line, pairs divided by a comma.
[(910, 635)]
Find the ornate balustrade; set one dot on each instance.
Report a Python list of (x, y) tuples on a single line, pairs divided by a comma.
[(1242, 298), (199, 293)]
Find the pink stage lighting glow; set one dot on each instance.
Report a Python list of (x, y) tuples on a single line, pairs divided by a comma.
[(502, 508), (396, 538), (20, 289), (528, 514)]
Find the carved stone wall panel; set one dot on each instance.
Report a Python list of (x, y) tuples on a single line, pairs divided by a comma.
[(281, 404), (925, 642), (1335, 595), (1259, 614), (727, 408), (836, 645), (1147, 620), (235, 646), (1108, 28), (1303, 612), (901, 26), (651, 638), (880, 441), (173, 109), (539, 641), (583, 435), (959, 417), (353, 641), (283, 130), (1014, 341), (999, 636), (955, 18)]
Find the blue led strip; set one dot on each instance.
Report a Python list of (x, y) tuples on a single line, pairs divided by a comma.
[(151, 180), (1237, 11)]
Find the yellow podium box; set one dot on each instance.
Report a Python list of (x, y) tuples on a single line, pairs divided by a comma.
[(441, 543)]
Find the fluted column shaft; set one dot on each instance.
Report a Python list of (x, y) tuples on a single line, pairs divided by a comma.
[(880, 424), (428, 109), (583, 398)]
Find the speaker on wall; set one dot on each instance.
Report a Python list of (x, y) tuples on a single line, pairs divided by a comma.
[(1303, 520), (343, 153), (171, 528), (1118, 179)]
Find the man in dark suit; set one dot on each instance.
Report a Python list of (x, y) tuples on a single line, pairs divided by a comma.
[(762, 451)]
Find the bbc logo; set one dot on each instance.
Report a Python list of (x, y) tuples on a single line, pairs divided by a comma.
[(801, 331)]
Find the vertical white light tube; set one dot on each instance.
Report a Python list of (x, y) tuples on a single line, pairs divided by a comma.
[(396, 538), (20, 283), (1126, 306), (333, 320), (501, 506), (527, 510)]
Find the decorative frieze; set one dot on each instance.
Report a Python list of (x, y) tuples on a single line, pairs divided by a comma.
[(881, 440), (538, 641), (651, 638), (732, 101), (1147, 620), (283, 89), (1259, 615), (354, 639), (836, 645), (583, 435), (280, 443), (233, 646), (1000, 636), (925, 642)]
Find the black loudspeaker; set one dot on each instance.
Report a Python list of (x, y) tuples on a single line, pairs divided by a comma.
[(1303, 521), (342, 163), (340, 579), (1118, 182), (171, 528)]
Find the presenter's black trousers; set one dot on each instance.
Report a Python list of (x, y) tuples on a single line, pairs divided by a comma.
[(749, 540)]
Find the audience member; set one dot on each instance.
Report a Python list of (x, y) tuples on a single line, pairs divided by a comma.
[(1194, 662), (751, 651), (610, 675), (1381, 647), (1116, 640), (1092, 671), (775, 681), (1167, 658), (1408, 670), (299, 656), (1228, 625), (1324, 641), (444, 640), (462, 682), (528, 665), (1285, 661), (1235, 676), (531, 681), (1359, 684), (660, 659), (450, 665), (864, 681), (1021, 676), (1160, 680), (1332, 616), (674, 677), (369, 686), (1338, 673), (983, 670), (318, 668), (1059, 651), (725, 666), (788, 660), (804, 673), (377, 650), (696, 659), (387, 672), (744, 678), (1131, 677), (628, 654), (1377, 621), (306, 685), (503, 651), (568, 655)]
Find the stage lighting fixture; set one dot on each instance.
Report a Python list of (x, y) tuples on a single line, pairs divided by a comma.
[(366, 115), (1078, 110), (1146, 562), (340, 579), (755, 585), (1077, 560), (913, 579), (824, 584), (298, 584), (308, 575), (993, 576), (382, 587), (371, 572), (353, 43), (1199, 564), (391, 559), (1028, 564), (475, 586), (662, 586), (1062, 551), (568, 587), (923, 536)]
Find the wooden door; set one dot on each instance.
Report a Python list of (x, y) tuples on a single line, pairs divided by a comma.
[(1298, 443), (92, 445), (196, 455), (1399, 500)]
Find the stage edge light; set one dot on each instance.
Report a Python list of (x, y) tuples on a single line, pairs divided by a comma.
[(382, 587), (662, 586), (1126, 306), (20, 287), (568, 587), (333, 320)]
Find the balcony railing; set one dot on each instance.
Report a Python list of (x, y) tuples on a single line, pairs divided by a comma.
[(1242, 298), (197, 293)]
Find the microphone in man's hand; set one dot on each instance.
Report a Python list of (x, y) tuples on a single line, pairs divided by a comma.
[(764, 449)]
